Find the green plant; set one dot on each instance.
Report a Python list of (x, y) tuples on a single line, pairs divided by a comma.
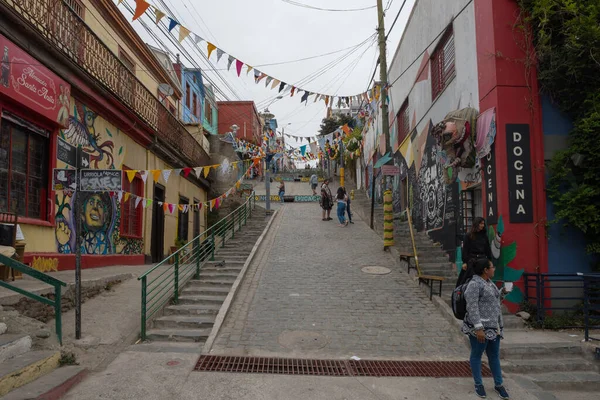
[(566, 35), (179, 243), (67, 358)]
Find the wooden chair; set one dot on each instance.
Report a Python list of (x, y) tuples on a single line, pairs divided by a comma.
[(8, 240)]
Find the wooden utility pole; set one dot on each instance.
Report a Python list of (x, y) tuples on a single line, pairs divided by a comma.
[(385, 119)]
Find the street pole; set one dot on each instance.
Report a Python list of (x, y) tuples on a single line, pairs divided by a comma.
[(342, 163), (267, 184), (77, 215), (385, 121)]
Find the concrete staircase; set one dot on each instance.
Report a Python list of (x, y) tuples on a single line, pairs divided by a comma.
[(553, 366), (30, 374), (192, 319)]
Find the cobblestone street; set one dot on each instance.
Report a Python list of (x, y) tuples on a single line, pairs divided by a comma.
[(305, 294)]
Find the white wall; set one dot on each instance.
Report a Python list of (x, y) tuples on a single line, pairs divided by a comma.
[(428, 19)]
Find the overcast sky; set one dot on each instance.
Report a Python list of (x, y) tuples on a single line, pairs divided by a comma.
[(272, 31)]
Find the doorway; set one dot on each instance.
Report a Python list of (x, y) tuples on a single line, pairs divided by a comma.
[(158, 225)]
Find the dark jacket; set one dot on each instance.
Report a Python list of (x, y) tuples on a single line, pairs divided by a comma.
[(473, 250)]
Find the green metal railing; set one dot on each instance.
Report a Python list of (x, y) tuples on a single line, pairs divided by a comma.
[(163, 282), (56, 303)]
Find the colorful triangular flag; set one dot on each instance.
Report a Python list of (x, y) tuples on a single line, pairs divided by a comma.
[(219, 54), (183, 33), (140, 8), (210, 47), (230, 61), (166, 173), (159, 15), (131, 174), (172, 24)]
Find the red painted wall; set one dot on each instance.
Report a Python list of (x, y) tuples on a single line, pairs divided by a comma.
[(505, 83), (242, 114)]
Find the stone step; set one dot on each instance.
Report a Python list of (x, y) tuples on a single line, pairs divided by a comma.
[(202, 299), (183, 321), (50, 386), (167, 347), (534, 351), (511, 321), (226, 268), (232, 258), (178, 335), (222, 276), (193, 309), (201, 290), (13, 345), (576, 381), (22, 369), (544, 365), (206, 282)]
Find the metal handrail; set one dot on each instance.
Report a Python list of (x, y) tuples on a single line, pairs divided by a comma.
[(40, 276), (412, 238), (187, 261), (588, 302)]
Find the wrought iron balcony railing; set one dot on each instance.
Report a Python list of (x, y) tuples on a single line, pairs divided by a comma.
[(66, 31)]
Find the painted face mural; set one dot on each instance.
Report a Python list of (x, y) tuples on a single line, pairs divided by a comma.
[(96, 223)]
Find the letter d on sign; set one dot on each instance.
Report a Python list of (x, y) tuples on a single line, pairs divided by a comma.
[(517, 137)]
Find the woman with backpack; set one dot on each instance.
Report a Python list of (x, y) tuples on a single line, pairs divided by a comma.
[(476, 246), (484, 325)]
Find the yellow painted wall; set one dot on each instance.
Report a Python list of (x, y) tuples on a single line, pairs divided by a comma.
[(94, 19), (176, 186)]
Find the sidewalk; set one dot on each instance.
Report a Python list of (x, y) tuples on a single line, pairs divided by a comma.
[(109, 321)]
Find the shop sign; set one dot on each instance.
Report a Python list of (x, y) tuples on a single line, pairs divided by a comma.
[(520, 193), (24, 79), (490, 186), (100, 180), (390, 170), (64, 179)]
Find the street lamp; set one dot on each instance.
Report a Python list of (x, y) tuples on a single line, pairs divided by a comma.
[(271, 103)]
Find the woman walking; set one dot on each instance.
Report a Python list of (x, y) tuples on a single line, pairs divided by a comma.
[(326, 200), (476, 246), (484, 326), (342, 199), (281, 191)]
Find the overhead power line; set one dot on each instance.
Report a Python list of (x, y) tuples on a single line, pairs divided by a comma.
[(298, 4)]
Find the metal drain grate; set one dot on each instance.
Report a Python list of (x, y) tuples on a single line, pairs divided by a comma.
[(294, 366)]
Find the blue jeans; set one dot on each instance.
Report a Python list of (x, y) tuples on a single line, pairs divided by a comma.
[(349, 213), (492, 349), (281, 194), (341, 211)]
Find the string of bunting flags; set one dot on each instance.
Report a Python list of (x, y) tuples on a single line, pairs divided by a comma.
[(199, 171), (126, 196), (142, 6)]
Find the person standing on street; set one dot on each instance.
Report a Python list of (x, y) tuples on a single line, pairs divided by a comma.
[(281, 190), (326, 200), (348, 206), (483, 324), (476, 246), (341, 199), (314, 181)]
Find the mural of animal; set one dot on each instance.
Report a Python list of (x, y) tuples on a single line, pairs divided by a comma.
[(81, 131)]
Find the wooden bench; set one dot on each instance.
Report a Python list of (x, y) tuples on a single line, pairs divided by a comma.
[(429, 280)]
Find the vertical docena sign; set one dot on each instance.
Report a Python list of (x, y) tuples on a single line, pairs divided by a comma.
[(520, 193), (491, 199)]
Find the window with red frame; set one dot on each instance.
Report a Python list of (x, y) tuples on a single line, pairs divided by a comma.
[(403, 121), (442, 64), (24, 167), (131, 216)]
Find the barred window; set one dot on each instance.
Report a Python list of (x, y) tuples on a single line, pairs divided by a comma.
[(442, 64)]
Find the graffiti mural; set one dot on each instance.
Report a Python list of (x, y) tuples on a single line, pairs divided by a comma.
[(99, 212), (432, 190)]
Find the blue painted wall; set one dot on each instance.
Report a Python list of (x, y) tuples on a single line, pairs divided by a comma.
[(212, 127), (566, 246), (197, 88)]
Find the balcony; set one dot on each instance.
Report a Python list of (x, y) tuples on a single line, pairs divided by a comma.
[(64, 30)]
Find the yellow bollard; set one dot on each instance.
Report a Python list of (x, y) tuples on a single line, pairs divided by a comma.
[(352, 194)]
